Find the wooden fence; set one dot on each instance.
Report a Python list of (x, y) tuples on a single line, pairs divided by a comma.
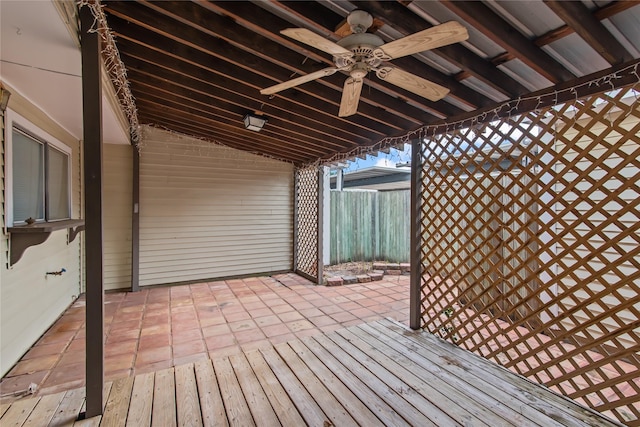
[(369, 226)]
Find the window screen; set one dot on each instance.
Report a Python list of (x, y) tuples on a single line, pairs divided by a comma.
[(57, 184), (28, 177)]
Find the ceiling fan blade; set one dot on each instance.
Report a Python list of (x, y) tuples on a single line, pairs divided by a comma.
[(431, 38), (430, 90), (350, 97), (298, 81), (314, 40)]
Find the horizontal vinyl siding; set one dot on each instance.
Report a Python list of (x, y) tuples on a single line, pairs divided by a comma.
[(117, 199), (208, 211), (30, 300)]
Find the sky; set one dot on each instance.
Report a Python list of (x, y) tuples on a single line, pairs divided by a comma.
[(386, 160)]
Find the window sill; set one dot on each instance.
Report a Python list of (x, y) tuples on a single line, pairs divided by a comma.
[(25, 236)]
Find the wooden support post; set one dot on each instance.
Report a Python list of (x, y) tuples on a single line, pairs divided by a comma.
[(135, 223), (296, 223), (416, 235), (92, 135), (320, 225)]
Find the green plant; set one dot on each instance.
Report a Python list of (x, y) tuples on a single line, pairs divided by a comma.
[(450, 328)]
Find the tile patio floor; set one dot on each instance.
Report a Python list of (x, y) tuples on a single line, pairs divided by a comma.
[(162, 327)]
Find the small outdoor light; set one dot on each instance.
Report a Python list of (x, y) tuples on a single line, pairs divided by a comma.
[(4, 98), (254, 122)]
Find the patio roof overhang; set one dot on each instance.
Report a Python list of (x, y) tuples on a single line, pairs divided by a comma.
[(197, 68)]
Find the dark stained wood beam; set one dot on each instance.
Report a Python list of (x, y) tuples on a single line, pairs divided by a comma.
[(214, 136), (408, 22), (135, 220), (202, 29), (510, 39), (306, 131), (174, 105), (227, 79), (181, 88), (90, 45), (604, 12), (558, 94), (587, 26), (254, 17)]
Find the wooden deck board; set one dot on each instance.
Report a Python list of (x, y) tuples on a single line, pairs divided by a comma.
[(44, 410), (456, 392), (115, 414), (18, 413), (304, 402), (141, 401), (378, 373), (187, 404), (360, 411), (538, 397), (253, 393), (284, 408), (334, 410), (471, 380), (68, 409), (236, 406), (163, 413), (212, 407), (388, 387)]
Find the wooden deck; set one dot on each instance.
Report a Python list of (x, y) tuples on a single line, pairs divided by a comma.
[(370, 375)]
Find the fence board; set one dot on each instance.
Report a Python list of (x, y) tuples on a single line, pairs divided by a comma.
[(369, 226)]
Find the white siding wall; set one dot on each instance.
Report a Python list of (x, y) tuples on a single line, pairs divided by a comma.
[(117, 187), (30, 301), (208, 211)]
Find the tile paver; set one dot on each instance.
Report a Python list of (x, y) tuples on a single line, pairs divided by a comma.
[(157, 328)]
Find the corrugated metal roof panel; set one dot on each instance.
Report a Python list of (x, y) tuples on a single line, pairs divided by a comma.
[(434, 12), (626, 28), (525, 75), (576, 55), (532, 18), (485, 89)]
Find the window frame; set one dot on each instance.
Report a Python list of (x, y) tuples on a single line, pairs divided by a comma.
[(25, 126)]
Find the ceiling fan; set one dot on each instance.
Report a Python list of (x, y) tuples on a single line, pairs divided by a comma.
[(362, 52)]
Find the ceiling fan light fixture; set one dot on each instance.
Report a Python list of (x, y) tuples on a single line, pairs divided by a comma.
[(254, 122)]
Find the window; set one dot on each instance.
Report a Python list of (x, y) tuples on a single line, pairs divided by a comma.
[(40, 171)]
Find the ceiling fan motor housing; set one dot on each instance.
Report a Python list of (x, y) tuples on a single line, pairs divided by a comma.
[(362, 47)]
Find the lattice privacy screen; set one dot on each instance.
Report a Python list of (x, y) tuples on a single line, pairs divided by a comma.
[(531, 246), (307, 223)]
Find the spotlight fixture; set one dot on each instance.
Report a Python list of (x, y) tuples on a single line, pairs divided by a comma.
[(4, 98), (254, 122)]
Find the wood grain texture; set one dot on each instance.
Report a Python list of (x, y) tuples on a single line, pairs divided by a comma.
[(379, 373), (141, 401)]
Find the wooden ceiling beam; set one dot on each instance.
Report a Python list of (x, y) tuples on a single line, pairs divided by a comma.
[(604, 12), (587, 26), (232, 140), (226, 102), (271, 142), (223, 76), (407, 21), (213, 136), (254, 17), (558, 94), (500, 32), (459, 91), (251, 71), (152, 86), (248, 44)]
